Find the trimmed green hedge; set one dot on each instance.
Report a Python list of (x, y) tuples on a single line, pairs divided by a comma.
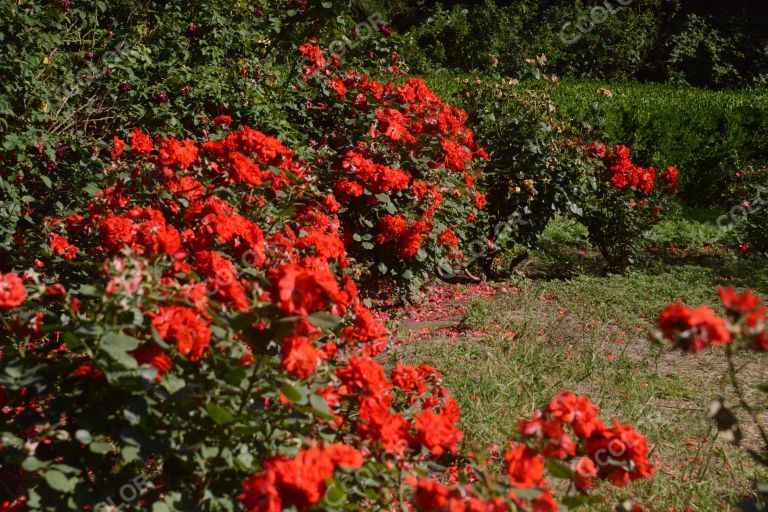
[(710, 136), (713, 137)]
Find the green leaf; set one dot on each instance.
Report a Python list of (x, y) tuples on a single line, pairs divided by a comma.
[(118, 345), (57, 481), (319, 407), (101, 447), (83, 436), (219, 414), (130, 454), (576, 209), (335, 496), (32, 464), (324, 320), (560, 470), (116, 341), (296, 394)]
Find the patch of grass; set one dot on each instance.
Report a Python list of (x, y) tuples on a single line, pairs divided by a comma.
[(478, 314), (632, 299), (590, 335), (684, 236), (564, 249)]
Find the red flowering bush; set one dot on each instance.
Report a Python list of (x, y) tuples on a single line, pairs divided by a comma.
[(401, 162), (622, 201), (190, 341), (742, 328)]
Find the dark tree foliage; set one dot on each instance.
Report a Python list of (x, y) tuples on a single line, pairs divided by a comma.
[(714, 43)]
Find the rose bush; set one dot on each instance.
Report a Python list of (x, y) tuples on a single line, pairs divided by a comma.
[(401, 162), (621, 201), (76, 73), (194, 329), (540, 166), (533, 172)]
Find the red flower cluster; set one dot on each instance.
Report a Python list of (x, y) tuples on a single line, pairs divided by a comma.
[(181, 326), (433, 427), (144, 230), (247, 156), (141, 143), (315, 59), (375, 178), (568, 430), (403, 164), (618, 454), (298, 482), (448, 237), (152, 355), (621, 454), (694, 330), (174, 152), (431, 495), (671, 176), (62, 247), (197, 234), (623, 173), (627, 174), (304, 290)]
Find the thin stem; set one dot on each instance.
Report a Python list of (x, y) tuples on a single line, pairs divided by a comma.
[(223, 444), (740, 394)]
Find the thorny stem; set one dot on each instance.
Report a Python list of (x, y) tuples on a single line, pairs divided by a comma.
[(740, 394), (245, 397)]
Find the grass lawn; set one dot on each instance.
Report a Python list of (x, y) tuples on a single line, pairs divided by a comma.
[(510, 350)]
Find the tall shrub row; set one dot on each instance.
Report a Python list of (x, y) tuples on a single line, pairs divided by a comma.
[(193, 332), (183, 301)]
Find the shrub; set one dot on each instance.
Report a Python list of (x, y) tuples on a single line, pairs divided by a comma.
[(84, 71), (532, 171), (401, 162), (210, 293), (715, 45), (190, 340), (502, 37), (701, 56), (621, 202)]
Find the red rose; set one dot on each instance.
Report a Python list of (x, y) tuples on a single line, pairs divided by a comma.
[(12, 291)]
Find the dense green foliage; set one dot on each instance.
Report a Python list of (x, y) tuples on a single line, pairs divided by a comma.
[(533, 172), (718, 139), (711, 44)]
